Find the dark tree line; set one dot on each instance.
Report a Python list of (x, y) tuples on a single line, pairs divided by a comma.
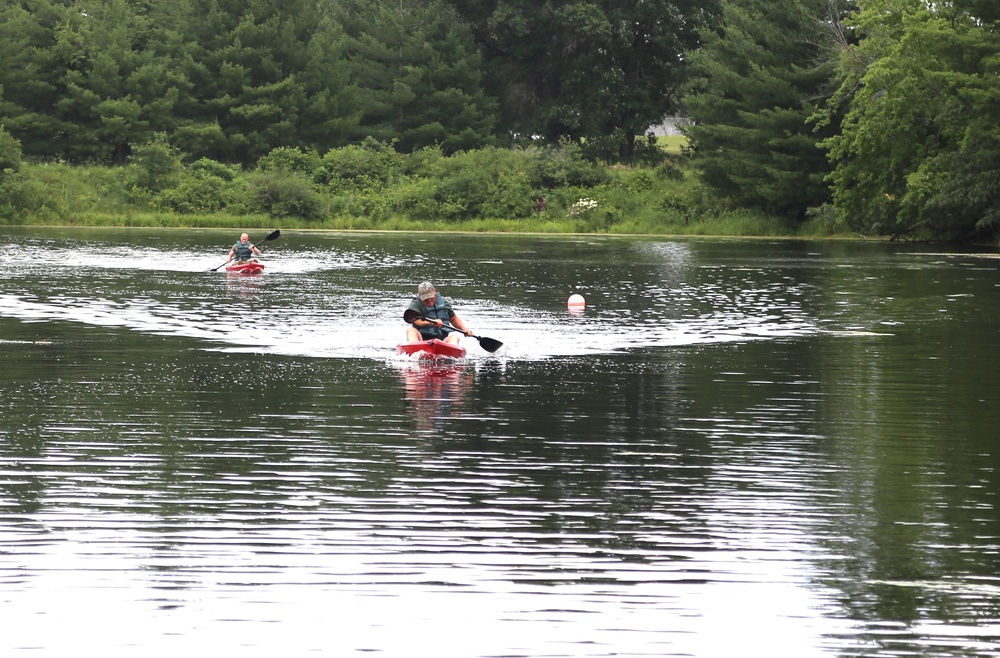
[(883, 112), (87, 80), (887, 109)]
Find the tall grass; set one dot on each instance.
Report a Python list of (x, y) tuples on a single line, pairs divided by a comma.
[(370, 187)]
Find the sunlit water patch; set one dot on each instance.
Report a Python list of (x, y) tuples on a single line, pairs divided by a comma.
[(321, 303)]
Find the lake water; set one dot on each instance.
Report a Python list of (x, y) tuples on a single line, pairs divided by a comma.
[(740, 447)]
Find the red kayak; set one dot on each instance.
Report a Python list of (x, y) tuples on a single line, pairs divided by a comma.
[(253, 267), (431, 349)]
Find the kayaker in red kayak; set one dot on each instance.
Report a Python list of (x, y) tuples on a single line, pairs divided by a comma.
[(244, 250), (438, 313)]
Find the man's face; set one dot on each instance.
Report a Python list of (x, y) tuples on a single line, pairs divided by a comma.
[(428, 300)]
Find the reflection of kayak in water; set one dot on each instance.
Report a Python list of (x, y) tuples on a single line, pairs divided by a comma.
[(430, 349), (435, 391), (253, 267)]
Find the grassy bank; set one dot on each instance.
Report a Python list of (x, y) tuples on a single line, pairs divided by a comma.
[(371, 187)]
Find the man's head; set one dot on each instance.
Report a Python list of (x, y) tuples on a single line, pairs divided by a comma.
[(426, 293), (244, 237)]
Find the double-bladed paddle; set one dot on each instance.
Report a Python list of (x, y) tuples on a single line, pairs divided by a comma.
[(273, 235), (488, 344)]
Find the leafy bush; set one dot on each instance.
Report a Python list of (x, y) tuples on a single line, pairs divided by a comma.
[(488, 189), (156, 165), (509, 196), (22, 196), (824, 220), (10, 153), (370, 164), (486, 183), (283, 194), (206, 167), (564, 165), (199, 194), (421, 162), (635, 180), (290, 159), (416, 198)]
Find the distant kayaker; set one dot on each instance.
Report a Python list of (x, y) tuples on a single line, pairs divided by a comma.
[(244, 250), (437, 313)]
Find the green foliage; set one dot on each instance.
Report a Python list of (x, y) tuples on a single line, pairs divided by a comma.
[(304, 161), (919, 149), (421, 162), (205, 187), (417, 74), (489, 182), (488, 189), (750, 105), (599, 73), (56, 193), (263, 75), (509, 196), (417, 198), (564, 164), (369, 165), (10, 153), (206, 167), (283, 194), (156, 164), (23, 198), (825, 221), (32, 67)]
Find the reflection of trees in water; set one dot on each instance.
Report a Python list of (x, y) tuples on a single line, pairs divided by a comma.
[(587, 463)]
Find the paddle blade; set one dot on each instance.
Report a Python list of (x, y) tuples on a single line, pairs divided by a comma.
[(489, 344), (273, 235), (410, 316)]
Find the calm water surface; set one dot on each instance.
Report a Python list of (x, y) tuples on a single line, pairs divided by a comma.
[(739, 448)]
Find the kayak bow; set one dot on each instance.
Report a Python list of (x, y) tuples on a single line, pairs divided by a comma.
[(431, 349), (253, 267)]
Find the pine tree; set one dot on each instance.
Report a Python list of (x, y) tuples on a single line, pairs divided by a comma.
[(417, 75), (759, 79)]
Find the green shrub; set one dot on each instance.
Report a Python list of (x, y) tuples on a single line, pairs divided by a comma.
[(421, 163), (509, 196), (564, 165), (156, 165), (22, 196), (824, 221), (635, 180), (368, 165), (196, 194), (290, 159), (416, 198), (206, 167), (283, 194), (488, 182), (206, 186), (10, 153)]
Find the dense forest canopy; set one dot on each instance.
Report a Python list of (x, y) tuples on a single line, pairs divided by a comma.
[(756, 82), (919, 146), (87, 80), (883, 113)]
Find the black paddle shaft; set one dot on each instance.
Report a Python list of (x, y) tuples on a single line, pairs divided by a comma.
[(488, 344)]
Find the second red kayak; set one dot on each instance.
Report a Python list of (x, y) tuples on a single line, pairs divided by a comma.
[(430, 349), (253, 267)]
